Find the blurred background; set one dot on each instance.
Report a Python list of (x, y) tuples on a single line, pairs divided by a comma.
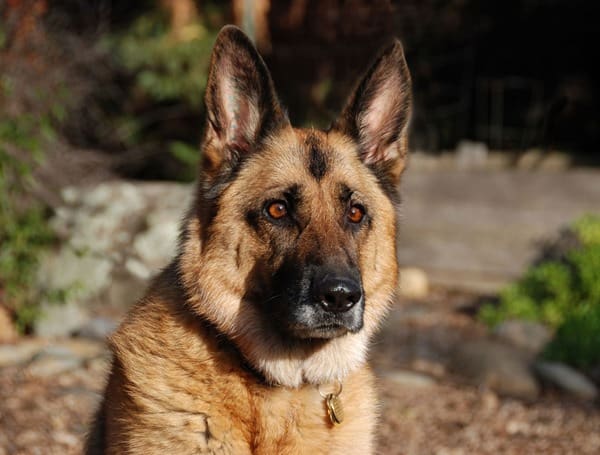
[(494, 345)]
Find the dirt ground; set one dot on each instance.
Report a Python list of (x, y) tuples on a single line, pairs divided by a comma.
[(50, 417), (452, 419), (441, 415)]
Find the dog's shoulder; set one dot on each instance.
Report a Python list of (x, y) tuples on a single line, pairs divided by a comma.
[(171, 371)]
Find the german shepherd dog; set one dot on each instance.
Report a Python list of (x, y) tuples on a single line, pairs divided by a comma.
[(254, 339)]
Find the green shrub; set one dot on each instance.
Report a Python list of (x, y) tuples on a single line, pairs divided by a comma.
[(23, 236), (24, 231), (167, 75), (165, 68), (544, 294), (565, 295), (577, 340), (187, 155), (587, 229)]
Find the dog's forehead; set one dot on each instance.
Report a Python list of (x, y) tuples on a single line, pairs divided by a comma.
[(318, 156), (315, 166)]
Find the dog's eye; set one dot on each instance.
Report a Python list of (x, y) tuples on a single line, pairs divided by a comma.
[(356, 213), (277, 209)]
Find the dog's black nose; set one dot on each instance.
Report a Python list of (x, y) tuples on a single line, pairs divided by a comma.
[(337, 294)]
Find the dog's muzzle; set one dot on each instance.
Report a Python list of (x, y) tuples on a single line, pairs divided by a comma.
[(323, 302)]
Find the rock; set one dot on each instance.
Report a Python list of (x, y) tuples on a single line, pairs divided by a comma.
[(115, 237), (500, 367), (124, 291), (530, 159), (98, 328), (119, 196), (65, 438), (489, 402), (102, 219), (555, 161), (47, 365), (21, 352), (62, 356), (8, 333), (430, 367), (60, 319), (413, 283), (528, 335), (567, 379), (101, 233), (28, 437), (70, 195), (99, 365), (157, 246), (79, 275), (81, 349), (137, 268), (518, 427), (471, 155), (499, 160), (409, 379)]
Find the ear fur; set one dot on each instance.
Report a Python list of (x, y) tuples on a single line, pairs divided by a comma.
[(241, 103), (378, 112)]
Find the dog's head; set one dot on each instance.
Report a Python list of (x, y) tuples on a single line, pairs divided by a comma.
[(290, 250)]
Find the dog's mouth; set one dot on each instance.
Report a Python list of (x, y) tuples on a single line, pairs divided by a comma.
[(322, 332), (309, 321)]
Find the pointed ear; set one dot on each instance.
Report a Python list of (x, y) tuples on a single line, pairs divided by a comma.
[(241, 103), (378, 112)]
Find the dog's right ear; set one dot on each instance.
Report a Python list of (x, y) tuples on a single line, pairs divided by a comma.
[(241, 103)]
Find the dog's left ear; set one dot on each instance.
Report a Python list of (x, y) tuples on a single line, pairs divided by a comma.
[(378, 112)]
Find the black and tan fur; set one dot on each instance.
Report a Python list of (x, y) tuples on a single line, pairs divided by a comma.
[(227, 350)]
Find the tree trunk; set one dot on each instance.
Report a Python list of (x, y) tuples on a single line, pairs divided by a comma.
[(182, 13)]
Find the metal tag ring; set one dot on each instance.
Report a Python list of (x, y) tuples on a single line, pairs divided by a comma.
[(335, 394)]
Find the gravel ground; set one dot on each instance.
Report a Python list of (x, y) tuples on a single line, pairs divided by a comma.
[(424, 409), (50, 416), (452, 419)]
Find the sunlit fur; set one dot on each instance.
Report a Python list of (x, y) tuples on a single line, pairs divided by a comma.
[(217, 284), (199, 365)]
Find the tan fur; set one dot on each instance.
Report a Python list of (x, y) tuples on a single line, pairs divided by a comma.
[(219, 281), (198, 367), (189, 394)]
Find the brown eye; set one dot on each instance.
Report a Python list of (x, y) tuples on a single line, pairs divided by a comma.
[(277, 210), (356, 213)]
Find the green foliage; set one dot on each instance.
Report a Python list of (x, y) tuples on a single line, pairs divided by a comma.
[(577, 340), (187, 155), (587, 229), (564, 295), (24, 232), (543, 294), (168, 71), (166, 68), (23, 237), (2, 37)]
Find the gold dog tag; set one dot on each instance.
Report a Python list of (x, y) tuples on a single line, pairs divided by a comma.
[(335, 409)]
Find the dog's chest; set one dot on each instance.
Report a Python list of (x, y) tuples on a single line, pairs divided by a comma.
[(176, 394), (266, 421), (297, 422)]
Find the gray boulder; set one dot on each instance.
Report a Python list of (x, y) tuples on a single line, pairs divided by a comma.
[(497, 366), (567, 379), (528, 335), (60, 319)]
